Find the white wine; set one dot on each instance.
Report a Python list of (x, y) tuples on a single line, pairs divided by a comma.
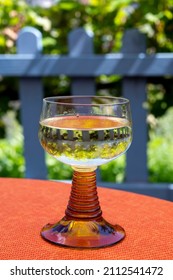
[(85, 140)]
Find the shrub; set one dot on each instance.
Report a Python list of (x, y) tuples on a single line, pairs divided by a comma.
[(114, 171), (160, 149), (160, 152), (11, 147), (58, 170)]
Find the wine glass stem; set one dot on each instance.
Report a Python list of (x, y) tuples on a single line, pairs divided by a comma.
[(83, 225), (83, 203)]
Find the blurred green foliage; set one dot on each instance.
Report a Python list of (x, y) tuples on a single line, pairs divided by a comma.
[(160, 149), (107, 19), (11, 147)]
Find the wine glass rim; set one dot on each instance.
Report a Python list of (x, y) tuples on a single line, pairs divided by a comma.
[(59, 100)]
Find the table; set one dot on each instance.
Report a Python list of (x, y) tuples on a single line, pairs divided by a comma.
[(27, 205)]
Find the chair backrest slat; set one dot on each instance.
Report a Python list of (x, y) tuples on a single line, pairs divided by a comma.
[(134, 88), (80, 43), (31, 95)]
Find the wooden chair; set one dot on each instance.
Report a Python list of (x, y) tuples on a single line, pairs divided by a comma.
[(83, 66)]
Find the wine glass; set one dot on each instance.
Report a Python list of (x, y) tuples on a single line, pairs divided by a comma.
[(84, 132)]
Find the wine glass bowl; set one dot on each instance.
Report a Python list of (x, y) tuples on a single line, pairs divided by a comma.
[(84, 132)]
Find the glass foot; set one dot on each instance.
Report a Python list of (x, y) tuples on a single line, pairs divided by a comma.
[(83, 233)]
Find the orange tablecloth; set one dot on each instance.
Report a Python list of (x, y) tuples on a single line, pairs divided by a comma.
[(26, 205)]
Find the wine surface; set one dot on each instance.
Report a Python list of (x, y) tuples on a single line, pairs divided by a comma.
[(85, 140)]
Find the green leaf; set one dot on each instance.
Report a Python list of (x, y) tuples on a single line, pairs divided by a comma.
[(67, 5)]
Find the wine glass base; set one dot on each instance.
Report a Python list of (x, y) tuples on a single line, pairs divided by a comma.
[(83, 233)]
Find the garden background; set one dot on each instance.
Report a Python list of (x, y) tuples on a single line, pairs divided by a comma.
[(108, 20)]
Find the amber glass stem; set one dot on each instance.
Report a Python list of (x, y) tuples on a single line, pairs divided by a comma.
[(83, 203), (83, 225)]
